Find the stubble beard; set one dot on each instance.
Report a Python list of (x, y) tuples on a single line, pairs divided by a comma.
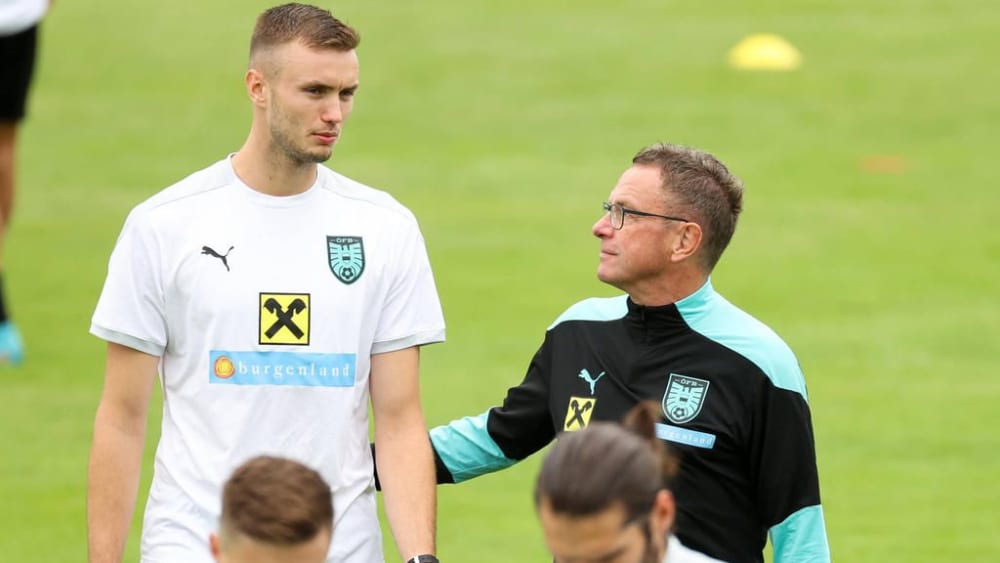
[(287, 146), (294, 153)]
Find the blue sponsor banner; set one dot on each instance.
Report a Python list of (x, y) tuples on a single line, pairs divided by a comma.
[(685, 436), (281, 368)]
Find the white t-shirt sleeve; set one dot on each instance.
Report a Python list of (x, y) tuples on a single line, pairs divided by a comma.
[(130, 310), (411, 314), (18, 15)]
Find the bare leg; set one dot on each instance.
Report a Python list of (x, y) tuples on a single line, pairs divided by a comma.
[(11, 347), (19, 49), (8, 138)]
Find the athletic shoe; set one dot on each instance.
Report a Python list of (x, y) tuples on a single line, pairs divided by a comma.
[(11, 346)]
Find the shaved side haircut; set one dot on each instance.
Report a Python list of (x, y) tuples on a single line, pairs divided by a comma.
[(314, 27), (275, 501)]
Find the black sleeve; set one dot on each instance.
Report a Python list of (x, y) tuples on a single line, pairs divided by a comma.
[(503, 435), (500, 437), (783, 458)]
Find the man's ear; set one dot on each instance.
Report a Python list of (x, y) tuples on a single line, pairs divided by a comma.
[(257, 89), (686, 243), (664, 513), (213, 544)]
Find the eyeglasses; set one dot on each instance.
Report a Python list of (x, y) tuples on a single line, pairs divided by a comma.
[(618, 213)]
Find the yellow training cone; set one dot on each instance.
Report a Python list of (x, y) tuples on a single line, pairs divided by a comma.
[(764, 51)]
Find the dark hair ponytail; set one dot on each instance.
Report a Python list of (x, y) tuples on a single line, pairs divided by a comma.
[(606, 463), (641, 420)]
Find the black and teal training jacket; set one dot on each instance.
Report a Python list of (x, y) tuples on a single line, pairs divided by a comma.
[(734, 408)]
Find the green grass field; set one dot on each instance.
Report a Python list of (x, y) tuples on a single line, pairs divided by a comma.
[(503, 125)]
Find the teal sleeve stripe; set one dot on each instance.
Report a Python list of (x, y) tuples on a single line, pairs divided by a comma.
[(714, 317), (801, 538), (466, 448), (595, 309)]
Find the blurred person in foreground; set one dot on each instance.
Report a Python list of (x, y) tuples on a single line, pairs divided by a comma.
[(274, 510), (731, 391), (604, 494), (19, 22), (274, 298)]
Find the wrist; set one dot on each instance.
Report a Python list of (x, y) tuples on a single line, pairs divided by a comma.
[(423, 558)]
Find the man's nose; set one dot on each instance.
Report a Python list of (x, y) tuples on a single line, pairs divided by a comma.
[(602, 228), (332, 113)]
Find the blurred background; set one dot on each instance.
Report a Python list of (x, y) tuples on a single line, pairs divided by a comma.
[(868, 241)]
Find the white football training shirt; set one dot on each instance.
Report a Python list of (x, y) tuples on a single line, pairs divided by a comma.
[(265, 311)]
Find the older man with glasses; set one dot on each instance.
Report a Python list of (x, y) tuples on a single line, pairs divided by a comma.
[(733, 398)]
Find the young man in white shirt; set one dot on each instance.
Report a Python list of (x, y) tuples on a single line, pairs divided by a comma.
[(274, 298)]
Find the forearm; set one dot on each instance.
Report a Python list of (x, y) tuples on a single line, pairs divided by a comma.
[(406, 471), (112, 485), (466, 449)]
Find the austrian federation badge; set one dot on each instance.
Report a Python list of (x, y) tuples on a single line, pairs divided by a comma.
[(347, 257), (684, 397)]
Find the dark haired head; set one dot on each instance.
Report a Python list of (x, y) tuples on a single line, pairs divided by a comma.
[(275, 501), (701, 187), (605, 463)]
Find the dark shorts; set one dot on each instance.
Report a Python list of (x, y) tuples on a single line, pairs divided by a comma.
[(17, 64)]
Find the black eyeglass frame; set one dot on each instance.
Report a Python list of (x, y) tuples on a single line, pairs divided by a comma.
[(608, 207)]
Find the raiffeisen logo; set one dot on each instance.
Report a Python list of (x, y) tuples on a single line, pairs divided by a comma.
[(281, 368)]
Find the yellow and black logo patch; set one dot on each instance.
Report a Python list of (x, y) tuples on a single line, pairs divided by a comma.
[(284, 318), (578, 412)]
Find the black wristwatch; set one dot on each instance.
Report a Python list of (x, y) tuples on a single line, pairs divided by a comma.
[(424, 558)]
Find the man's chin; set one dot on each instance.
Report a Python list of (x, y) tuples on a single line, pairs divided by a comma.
[(322, 155), (307, 156), (611, 280)]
